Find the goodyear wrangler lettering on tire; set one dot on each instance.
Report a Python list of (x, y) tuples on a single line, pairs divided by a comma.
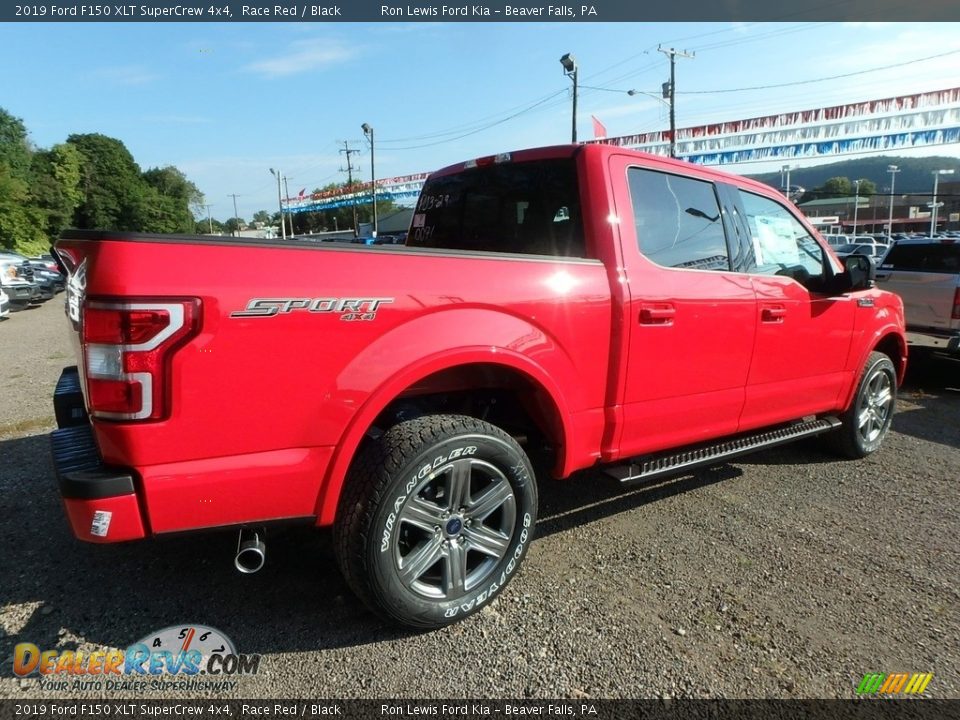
[(511, 566), (453, 520)]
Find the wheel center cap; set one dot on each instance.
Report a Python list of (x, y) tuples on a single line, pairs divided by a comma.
[(453, 527)]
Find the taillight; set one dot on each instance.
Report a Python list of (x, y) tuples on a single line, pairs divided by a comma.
[(956, 305), (126, 351), (487, 161)]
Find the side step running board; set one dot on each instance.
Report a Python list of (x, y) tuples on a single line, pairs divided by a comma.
[(654, 466)]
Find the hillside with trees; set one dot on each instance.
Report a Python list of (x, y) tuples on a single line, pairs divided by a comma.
[(915, 175), (91, 181)]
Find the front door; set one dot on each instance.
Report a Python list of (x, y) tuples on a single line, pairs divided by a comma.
[(803, 332)]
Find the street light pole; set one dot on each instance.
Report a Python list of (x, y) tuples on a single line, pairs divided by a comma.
[(856, 206), (786, 189), (279, 176), (933, 205), (368, 131), (570, 70), (893, 170)]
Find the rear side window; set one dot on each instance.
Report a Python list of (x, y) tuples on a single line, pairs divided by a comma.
[(924, 257), (678, 221), (531, 208)]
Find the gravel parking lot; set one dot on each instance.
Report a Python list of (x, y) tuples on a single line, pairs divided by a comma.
[(786, 574)]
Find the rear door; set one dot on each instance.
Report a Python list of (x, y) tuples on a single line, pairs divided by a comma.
[(926, 276)]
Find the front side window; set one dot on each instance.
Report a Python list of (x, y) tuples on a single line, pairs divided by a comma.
[(678, 221), (781, 244)]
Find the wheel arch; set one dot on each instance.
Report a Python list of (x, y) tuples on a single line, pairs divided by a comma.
[(419, 377), (891, 342)]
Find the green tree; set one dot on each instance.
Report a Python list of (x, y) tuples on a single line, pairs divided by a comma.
[(56, 186), (205, 226), (262, 216), (20, 222), (15, 148), (111, 186), (234, 224), (168, 200), (835, 187)]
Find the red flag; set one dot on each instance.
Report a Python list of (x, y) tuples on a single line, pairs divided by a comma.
[(599, 131), (300, 195)]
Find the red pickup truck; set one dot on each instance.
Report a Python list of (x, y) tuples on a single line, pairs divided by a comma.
[(580, 305)]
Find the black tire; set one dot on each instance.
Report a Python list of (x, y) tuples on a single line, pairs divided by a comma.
[(435, 518), (866, 421)]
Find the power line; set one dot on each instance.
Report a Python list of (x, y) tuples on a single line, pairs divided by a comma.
[(485, 127), (823, 79), (472, 128)]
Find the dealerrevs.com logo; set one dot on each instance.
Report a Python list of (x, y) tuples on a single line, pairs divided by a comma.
[(180, 657)]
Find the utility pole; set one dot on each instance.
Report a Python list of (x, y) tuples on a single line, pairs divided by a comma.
[(670, 91), (286, 191), (368, 131), (347, 150), (236, 215), (278, 174), (209, 219)]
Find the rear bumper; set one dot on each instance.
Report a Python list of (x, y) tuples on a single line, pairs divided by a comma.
[(101, 502), (944, 341)]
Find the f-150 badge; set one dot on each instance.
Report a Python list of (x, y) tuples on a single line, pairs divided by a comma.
[(358, 308)]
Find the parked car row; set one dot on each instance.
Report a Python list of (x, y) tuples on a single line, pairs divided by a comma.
[(27, 281)]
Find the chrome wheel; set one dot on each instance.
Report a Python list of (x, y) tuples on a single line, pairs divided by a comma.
[(875, 405), (454, 529)]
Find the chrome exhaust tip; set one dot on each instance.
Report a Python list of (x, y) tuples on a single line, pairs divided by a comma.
[(251, 552)]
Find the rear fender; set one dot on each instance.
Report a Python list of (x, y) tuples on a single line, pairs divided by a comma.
[(441, 341)]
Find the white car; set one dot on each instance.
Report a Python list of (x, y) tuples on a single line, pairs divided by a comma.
[(19, 292)]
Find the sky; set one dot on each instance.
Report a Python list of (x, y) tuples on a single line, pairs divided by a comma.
[(225, 103)]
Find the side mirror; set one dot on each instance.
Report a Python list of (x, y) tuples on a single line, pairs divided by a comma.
[(859, 273)]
